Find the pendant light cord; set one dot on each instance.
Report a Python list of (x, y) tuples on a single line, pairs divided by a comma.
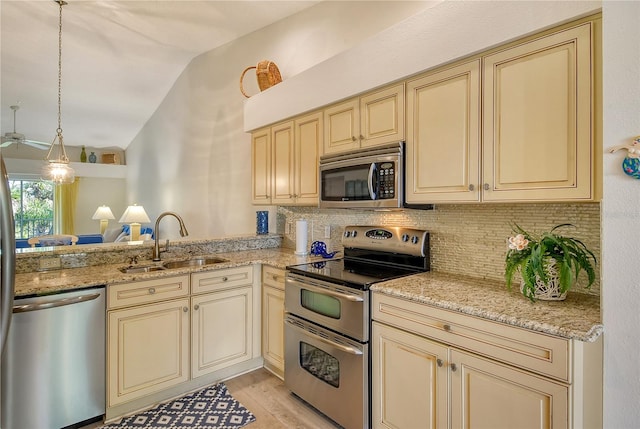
[(59, 130)]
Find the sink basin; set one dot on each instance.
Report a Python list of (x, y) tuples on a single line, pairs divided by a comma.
[(142, 269), (195, 262)]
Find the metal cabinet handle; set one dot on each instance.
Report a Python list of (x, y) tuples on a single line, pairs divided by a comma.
[(275, 277), (439, 362), (185, 309), (447, 328), (152, 290), (361, 137), (353, 138), (196, 307), (454, 367), (224, 279), (471, 187), (486, 186)]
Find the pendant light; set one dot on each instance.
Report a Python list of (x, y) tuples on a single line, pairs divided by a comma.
[(57, 170)]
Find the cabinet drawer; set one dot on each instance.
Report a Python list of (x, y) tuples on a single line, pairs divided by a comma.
[(146, 291), (221, 279), (273, 277), (530, 350)]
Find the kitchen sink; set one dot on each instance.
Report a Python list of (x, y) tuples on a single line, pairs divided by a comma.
[(187, 263), (195, 262), (141, 269)]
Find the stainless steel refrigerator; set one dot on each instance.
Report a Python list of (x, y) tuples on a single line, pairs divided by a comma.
[(7, 257)]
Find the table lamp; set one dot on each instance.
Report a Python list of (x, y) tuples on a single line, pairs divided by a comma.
[(134, 215), (103, 213)]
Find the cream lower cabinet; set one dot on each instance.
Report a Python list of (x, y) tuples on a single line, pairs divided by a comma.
[(148, 337), (433, 368), (273, 319), (171, 335), (222, 319)]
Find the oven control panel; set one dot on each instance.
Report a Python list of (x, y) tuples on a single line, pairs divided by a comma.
[(394, 239)]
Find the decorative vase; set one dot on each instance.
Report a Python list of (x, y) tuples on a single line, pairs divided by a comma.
[(93, 158), (83, 155), (262, 222), (549, 290)]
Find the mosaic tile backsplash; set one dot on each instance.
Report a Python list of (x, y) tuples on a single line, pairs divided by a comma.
[(465, 239)]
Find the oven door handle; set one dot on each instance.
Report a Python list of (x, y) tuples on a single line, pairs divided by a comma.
[(345, 349), (352, 298)]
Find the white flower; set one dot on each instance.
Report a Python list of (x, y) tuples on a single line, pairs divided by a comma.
[(518, 242)]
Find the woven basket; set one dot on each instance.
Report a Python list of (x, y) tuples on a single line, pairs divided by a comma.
[(267, 74), (550, 290)]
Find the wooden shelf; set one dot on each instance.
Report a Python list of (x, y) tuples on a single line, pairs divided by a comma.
[(82, 169)]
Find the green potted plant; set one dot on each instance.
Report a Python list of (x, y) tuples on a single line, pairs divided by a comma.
[(549, 264)]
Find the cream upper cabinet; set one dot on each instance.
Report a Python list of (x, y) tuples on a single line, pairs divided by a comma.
[(443, 135), (285, 162), (373, 119), (261, 166), (308, 148), (538, 123), (273, 319), (436, 368)]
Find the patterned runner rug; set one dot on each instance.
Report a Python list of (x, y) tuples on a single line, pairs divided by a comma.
[(210, 408)]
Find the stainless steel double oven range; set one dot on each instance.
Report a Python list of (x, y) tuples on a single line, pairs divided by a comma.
[(327, 318)]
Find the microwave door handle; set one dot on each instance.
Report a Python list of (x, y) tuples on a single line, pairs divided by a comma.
[(372, 185)]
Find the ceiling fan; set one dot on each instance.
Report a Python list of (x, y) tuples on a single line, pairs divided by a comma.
[(15, 137)]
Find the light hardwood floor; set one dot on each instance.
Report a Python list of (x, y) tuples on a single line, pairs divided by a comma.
[(274, 406)]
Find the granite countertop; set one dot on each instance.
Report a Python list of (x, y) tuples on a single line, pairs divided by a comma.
[(47, 282), (577, 317)]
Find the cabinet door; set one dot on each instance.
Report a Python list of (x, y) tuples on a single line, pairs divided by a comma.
[(342, 127), (221, 330), (537, 119), (308, 144), (261, 166), (409, 380), (148, 349), (283, 164), (382, 116), (273, 329), (443, 136), (486, 394)]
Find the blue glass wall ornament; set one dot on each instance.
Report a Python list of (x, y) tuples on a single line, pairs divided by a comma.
[(631, 163)]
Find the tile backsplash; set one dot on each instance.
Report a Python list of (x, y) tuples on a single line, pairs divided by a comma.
[(466, 239)]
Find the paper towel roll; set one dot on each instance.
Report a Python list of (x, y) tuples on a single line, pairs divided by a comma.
[(301, 237)]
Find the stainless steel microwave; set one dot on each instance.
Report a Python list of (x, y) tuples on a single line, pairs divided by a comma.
[(365, 178)]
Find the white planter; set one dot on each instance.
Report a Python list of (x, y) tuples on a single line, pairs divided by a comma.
[(550, 290)]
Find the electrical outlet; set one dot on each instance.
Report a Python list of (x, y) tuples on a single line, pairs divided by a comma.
[(327, 231), (287, 228), (49, 263)]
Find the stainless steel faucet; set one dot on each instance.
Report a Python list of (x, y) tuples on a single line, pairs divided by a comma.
[(183, 233)]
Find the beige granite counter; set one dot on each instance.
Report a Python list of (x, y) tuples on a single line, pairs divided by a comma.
[(578, 317), (46, 282)]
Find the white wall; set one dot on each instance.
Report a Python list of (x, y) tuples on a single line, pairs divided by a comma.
[(94, 192), (193, 156), (621, 217)]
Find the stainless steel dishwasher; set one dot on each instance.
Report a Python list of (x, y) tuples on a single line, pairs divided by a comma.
[(53, 371)]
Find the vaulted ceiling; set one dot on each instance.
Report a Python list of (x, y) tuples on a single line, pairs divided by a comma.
[(119, 59)]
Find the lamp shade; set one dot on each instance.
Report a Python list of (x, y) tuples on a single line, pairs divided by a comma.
[(134, 214), (103, 212)]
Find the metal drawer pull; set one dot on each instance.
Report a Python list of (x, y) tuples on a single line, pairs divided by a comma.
[(275, 278), (454, 367), (447, 328), (486, 186), (345, 349), (471, 187), (439, 362), (224, 279), (185, 309), (152, 290), (196, 307)]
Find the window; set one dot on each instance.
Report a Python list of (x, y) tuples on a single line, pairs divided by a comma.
[(32, 202)]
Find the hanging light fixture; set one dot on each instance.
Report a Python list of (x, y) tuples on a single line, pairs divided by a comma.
[(57, 170)]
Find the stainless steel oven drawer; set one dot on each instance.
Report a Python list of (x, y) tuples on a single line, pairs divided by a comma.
[(329, 371)]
